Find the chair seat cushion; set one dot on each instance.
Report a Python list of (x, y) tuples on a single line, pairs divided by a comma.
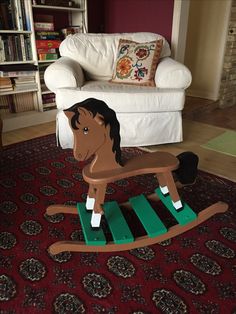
[(124, 98)]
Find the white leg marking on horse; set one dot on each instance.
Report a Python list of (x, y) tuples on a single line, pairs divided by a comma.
[(164, 189), (90, 203), (95, 220), (178, 204)]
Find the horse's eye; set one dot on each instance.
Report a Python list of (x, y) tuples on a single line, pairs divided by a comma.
[(85, 130)]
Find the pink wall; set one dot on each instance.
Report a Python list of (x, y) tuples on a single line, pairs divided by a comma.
[(117, 16), (139, 15)]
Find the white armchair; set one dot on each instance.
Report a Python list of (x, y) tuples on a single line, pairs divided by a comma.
[(147, 115)]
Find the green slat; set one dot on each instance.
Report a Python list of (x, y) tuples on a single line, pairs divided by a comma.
[(150, 220), (184, 216), (92, 236), (119, 229)]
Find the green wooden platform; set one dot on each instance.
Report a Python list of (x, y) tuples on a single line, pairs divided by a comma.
[(149, 219), (116, 221), (91, 236), (118, 226), (184, 216)]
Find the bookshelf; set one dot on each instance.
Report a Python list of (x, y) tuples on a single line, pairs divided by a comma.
[(30, 34)]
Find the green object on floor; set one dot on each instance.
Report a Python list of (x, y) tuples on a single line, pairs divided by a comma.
[(149, 219), (224, 143), (92, 236), (119, 228), (183, 216)]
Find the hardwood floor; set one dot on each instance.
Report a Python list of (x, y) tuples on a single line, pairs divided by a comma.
[(196, 134), (202, 122), (207, 111), (25, 134)]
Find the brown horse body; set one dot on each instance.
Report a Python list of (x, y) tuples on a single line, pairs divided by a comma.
[(92, 137)]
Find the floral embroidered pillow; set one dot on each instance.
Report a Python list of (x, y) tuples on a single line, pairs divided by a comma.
[(137, 62)]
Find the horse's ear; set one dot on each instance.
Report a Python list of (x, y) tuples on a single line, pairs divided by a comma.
[(69, 114), (99, 119)]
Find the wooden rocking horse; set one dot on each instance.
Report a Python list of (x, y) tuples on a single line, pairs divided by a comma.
[(96, 133)]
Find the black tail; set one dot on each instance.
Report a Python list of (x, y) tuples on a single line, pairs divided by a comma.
[(187, 171)]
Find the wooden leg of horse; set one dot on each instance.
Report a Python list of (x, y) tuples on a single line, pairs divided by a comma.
[(173, 190), (166, 180), (162, 183), (90, 201), (98, 210)]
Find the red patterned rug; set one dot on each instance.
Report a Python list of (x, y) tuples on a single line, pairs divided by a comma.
[(192, 273)]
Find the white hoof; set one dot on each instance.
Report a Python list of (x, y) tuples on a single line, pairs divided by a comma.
[(177, 205), (95, 220), (164, 189), (90, 203)]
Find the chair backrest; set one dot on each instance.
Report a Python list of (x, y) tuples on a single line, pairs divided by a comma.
[(97, 53)]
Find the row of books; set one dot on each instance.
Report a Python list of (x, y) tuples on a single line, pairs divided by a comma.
[(5, 84), (16, 103), (21, 83), (14, 70), (48, 101), (15, 48), (59, 3), (14, 14), (42, 69), (24, 83), (58, 35), (47, 40), (47, 48)]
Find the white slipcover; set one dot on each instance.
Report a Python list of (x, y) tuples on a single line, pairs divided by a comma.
[(147, 115)]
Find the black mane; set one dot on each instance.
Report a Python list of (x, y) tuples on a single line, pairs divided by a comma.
[(98, 106)]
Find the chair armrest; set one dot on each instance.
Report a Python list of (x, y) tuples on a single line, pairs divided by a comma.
[(64, 72), (172, 74)]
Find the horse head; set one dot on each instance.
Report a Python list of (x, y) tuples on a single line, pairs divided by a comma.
[(94, 126)]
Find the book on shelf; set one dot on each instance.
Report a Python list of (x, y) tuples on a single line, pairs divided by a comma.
[(24, 79), (47, 44), (17, 103), (47, 35), (50, 106), (48, 98), (47, 50), (44, 22), (47, 40), (7, 16), (14, 15), (47, 56), (24, 83), (44, 87), (5, 84), (58, 3), (14, 70), (23, 102), (5, 104), (48, 101), (43, 26), (2, 50), (25, 87), (16, 73), (6, 89), (18, 67), (71, 30), (15, 47)]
